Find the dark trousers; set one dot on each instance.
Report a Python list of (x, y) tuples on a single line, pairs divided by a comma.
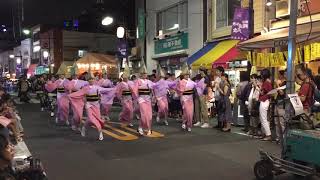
[(245, 112), (24, 97)]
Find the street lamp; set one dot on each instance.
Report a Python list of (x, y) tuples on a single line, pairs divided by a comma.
[(36, 48), (120, 32), (18, 60), (26, 31), (269, 2), (11, 56), (45, 54), (107, 21)]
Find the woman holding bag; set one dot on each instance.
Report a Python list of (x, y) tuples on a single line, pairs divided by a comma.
[(224, 105)]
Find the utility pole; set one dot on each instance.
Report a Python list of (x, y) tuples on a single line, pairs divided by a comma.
[(290, 88), (251, 34), (292, 46)]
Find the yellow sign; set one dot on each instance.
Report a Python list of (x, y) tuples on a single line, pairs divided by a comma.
[(124, 133)]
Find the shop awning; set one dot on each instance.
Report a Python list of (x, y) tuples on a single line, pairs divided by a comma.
[(223, 51), (279, 37), (93, 58), (32, 69)]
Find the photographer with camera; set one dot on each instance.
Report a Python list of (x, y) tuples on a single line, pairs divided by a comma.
[(32, 172)]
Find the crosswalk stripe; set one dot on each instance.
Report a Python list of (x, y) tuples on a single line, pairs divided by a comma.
[(154, 134), (126, 137)]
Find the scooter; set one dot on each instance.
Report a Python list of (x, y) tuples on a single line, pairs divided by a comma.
[(300, 152)]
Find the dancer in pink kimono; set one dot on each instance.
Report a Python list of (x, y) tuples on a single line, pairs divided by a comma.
[(136, 111), (144, 87), (92, 95), (77, 105), (160, 90), (106, 98), (124, 91), (185, 89), (62, 99)]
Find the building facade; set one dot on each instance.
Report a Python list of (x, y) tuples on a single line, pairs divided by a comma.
[(51, 47), (174, 31)]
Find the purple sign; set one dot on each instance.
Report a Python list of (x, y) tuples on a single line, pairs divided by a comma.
[(240, 25), (122, 48)]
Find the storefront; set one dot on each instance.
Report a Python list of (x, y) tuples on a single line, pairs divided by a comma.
[(171, 52), (98, 63)]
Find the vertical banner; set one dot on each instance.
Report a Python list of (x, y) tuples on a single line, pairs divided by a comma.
[(122, 48), (141, 24), (240, 25)]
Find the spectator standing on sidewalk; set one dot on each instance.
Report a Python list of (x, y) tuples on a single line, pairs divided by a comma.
[(306, 91), (253, 105), (243, 91), (201, 108), (264, 99), (280, 107), (217, 83), (224, 105)]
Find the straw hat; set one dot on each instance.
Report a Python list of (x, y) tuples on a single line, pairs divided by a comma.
[(126, 72), (143, 68), (185, 69), (62, 69), (160, 71)]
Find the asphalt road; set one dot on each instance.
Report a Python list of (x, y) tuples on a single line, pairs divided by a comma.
[(203, 154)]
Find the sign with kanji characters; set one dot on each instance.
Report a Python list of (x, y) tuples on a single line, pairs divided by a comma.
[(141, 24), (122, 48), (240, 25), (173, 43)]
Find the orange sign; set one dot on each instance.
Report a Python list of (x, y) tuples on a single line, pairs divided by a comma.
[(314, 7)]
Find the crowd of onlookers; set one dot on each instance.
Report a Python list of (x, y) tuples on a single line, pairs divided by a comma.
[(11, 133)]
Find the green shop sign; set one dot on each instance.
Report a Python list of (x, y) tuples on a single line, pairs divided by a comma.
[(41, 70), (173, 43), (141, 24)]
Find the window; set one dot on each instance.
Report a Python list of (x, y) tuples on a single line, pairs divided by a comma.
[(172, 19), (225, 11)]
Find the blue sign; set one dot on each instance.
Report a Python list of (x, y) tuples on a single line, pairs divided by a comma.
[(122, 48)]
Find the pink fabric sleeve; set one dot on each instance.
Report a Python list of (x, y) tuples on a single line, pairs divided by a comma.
[(50, 86), (181, 86), (79, 94), (4, 121), (134, 86), (69, 85), (105, 90)]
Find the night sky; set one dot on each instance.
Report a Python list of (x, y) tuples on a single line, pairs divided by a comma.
[(55, 11)]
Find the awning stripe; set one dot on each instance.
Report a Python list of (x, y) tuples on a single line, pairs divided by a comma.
[(215, 53), (201, 52)]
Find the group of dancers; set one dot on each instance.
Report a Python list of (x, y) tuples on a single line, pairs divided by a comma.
[(136, 95)]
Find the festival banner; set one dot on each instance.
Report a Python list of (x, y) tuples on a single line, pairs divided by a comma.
[(240, 25)]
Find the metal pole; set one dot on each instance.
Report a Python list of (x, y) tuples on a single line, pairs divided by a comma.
[(251, 34), (290, 89), (292, 46)]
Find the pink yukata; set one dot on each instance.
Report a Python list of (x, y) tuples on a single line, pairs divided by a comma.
[(62, 98), (92, 105), (184, 87), (106, 98), (124, 93), (144, 102), (77, 105), (160, 90)]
